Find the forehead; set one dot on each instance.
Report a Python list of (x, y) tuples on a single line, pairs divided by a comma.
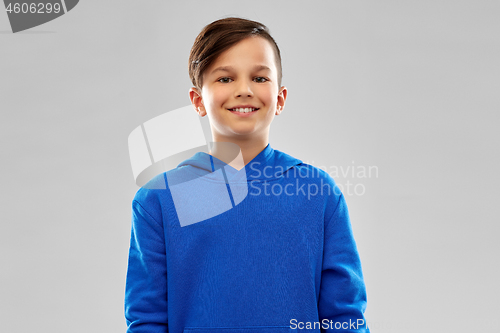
[(253, 53)]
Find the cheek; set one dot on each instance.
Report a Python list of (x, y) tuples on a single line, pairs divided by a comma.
[(211, 99), (267, 96), (219, 97)]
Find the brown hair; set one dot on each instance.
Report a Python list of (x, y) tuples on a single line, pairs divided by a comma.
[(221, 35)]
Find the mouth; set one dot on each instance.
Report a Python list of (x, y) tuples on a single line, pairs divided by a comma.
[(243, 110)]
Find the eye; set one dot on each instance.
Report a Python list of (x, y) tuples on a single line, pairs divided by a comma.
[(263, 78), (224, 78)]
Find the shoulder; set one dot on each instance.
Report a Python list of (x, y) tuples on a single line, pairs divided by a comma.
[(148, 196), (311, 174), (322, 184), (315, 175)]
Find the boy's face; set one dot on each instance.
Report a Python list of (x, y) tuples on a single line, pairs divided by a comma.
[(249, 77)]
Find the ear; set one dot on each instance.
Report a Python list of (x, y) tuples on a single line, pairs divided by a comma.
[(280, 105), (197, 101)]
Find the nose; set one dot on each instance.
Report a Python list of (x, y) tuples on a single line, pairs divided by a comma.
[(243, 89)]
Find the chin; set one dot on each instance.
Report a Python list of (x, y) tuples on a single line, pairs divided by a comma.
[(242, 131)]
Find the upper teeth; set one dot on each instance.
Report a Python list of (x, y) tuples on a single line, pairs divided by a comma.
[(244, 109)]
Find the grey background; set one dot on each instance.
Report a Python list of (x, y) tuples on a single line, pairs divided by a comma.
[(409, 87)]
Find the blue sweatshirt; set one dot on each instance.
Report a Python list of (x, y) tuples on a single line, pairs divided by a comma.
[(268, 248)]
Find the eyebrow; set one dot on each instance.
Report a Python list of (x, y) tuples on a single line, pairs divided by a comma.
[(229, 68)]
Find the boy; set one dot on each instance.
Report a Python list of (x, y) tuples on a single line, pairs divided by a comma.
[(250, 242)]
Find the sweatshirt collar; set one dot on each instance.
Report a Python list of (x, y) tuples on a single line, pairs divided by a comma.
[(267, 165)]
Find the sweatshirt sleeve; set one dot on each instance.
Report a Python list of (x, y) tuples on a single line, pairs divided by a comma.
[(146, 282), (342, 299)]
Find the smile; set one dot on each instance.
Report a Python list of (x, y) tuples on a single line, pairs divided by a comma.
[(243, 110)]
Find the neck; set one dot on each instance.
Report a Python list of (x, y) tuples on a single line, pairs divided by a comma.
[(248, 150)]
